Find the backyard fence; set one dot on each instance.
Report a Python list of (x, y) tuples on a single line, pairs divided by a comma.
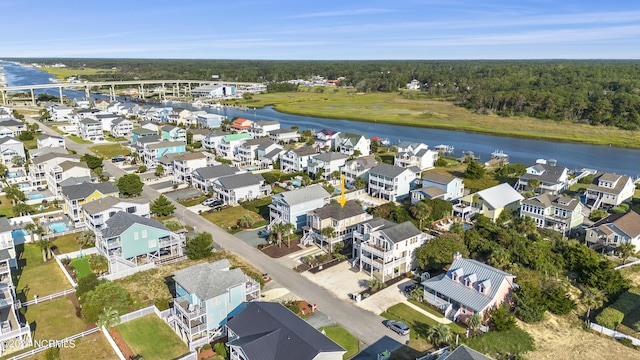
[(48, 297), (123, 273), (190, 356), (614, 334), (138, 314), (63, 233), (55, 343), (632, 263)]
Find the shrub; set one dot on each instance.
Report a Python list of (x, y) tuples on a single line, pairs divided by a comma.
[(502, 319), (220, 349), (610, 318), (558, 301), (626, 342), (162, 304)]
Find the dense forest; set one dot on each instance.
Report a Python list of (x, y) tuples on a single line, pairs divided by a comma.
[(597, 92)]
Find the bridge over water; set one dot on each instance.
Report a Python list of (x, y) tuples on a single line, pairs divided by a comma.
[(172, 86)]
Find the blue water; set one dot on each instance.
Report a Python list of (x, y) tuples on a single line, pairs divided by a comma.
[(18, 233), (296, 183), (35, 196), (58, 227), (13, 174)]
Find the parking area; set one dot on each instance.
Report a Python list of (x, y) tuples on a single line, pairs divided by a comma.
[(385, 298), (341, 280), (183, 194), (251, 237)]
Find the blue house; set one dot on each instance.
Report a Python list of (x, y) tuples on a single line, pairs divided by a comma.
[(152, 152), (438, 186), (206, 296), (137, 134), (173, 133), (129, 240)]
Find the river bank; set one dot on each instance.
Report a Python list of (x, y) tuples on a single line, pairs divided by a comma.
[(393, 109)]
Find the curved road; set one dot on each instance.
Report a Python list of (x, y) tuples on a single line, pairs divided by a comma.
[(363, 324)]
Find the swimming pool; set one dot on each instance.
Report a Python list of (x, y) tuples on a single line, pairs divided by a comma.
[(296, 183), (13, 174), (58, 227), (35, 196), (18, 233)]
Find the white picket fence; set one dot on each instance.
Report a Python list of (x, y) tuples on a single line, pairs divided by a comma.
[(56, 343), (48, 297)]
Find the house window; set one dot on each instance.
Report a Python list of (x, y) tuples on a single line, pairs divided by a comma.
[(135, 236), (152, 243), (144, 234)]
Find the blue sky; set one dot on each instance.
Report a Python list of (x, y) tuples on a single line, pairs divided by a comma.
[(328, 29)]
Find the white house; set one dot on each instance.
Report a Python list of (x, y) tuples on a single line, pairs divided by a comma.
[(151, 126), (184, 164), (212, 140), (326, 164), (349, 143), (121, 128), (390, 182), (40, 166), (415, 154), (229, 145), (267, 153), (210, 121), (262, 128), (91, 129), (60, 112), (106, 119), (293, 206), (97, 212), (11, 127), (608, 190), (343, 220), (438, 186), (64, 171), (325, 138), (553, 179), (284, 135), (356, 168), (50, 141), (237, 188), (203, 178), (248, 151), (296, 160), (12, 151)]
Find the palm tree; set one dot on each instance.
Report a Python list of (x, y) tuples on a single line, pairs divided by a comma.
[(626, 250), (39, 231), (245, 221), (375, 284), (534, 184), (288, 228), (173, 225), (277, 230), (21, 208), (441, 334), (108, 318), (474, 322), (592, 298), (30, 227), (329, 233), (525, 225), (417, 294), (45, 246), (499, 258), (98, 264), (86, 238), (421, 211)]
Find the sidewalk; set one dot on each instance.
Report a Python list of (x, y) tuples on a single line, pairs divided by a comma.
[(441, 320)]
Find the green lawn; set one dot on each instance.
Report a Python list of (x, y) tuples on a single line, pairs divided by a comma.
[(110, 150), (35, 277), (229, 217), (78, 140), (63, 73), (5, 207), (343, 338), (67, 243), (426, 308), (514, 341), (417, 321), (193, 202), (259, 206), (81, 265), (54, 319), (152, 338), (30, 144)]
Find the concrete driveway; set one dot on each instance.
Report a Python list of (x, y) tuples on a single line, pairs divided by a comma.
[(385, 298), (183, 194), (161, 185), (341, 280), (251, 237)]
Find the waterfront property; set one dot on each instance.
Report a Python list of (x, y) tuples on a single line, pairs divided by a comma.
[(293, 206), (262, 128), (207, 295), (284, 135), (438, 186), (609, 190), (265, 330), (75, 196), (489, 202), (350, 143), (559, 213), (552, 179), (415, 154), (343, 220), (608, 233), (386, 249), (390, 182), (468, 287)]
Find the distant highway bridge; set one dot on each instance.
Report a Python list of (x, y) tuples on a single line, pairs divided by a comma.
[(173, 85)]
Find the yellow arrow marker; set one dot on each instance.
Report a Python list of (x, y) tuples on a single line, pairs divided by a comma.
[(342, 200)]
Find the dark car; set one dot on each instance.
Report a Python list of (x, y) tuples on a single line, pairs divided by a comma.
[(409, 288), (398, 327), (118, 159), (263, 233), (215, 203)]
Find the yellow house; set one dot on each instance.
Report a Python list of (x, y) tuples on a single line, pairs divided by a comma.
[(77, 195), (490, 202)]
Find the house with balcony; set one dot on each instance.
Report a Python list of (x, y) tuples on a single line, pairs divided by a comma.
[(197, 135), (173, 133), (268, 153), (554, 212), (210, 121), (34, 153), (489, 202), (50, 141), (148, 125), (91, 129), (343, 220), (152, 152), (297, 160), (293, 206), (207, 295), (183, 165), (74, 197), (41, 165), (204, 177), (139, 146), (237, 188), (415, 154), (553, 179), (12, 151), (14, 335), (349, 144), (608, 190), (121, 128), (268, 330), (101, 104), (128, 240), (468, 287), (248, 151), (385, 249), (105, 118), (325, 138), (390, 182), (284, 136), (213, 139), (262, 128), (11, 127), (356, 168), (322, 166), (65, 173), (438, 186), (141, 132), (97, 212), (60, 112), (608, 233), (229, 145), (241, 125)]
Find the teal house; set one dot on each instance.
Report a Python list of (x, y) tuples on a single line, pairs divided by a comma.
[(128, 240), (139, 133), (152, 152), (206, 296), (173, 133)]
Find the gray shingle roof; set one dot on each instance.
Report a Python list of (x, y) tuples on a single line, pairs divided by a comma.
[(208, 280), (8, 138), (54, 155), (143, 131), (401, 232), (330, 156), (66, 165), (45, 137), (432, 192), (283, 131), (122, 220), (387, 170), (620, 184), (303, 195), (214, 172), (75, 180), (36, 153), (5, 225), (305, 151), (335, 211), (363, 163), (437, 178), (11, 122), (88, 121), (270, 331), (561, 202), (550, 174), (165, 144), (81, 191), (463, 352), (239, 180), (107, 203), (465, 295)]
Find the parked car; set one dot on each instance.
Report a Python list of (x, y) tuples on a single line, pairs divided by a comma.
[(263, 233), (409, 288), (117, 159), (216, 203), (398, 327)]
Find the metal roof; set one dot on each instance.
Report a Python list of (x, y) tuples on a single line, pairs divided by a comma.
[(302, 195)]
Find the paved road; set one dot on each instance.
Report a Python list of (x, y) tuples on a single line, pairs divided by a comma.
[(363, 324)]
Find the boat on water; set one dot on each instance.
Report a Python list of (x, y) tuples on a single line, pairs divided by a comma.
[(198, 104), (445, 149), (498, 158)]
